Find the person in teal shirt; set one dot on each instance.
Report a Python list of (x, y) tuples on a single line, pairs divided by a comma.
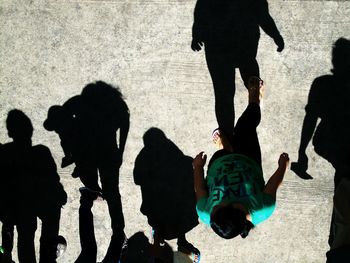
[(234, 198)]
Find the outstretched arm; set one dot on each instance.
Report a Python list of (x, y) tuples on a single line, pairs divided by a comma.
[(267, 24), (277, 178), (200, 187)]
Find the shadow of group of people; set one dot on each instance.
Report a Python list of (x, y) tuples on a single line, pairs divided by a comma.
[(93, 128)]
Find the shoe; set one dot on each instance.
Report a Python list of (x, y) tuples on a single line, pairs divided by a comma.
[(215, 135), (191, 251)]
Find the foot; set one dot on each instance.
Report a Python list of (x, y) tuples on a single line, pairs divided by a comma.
[(255, 89), (220, 140), (190, 250)]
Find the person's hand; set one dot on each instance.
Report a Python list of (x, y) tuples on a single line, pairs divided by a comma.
[(280, 43), (283, 161), (300, 167), (199, 160), (196, 45)]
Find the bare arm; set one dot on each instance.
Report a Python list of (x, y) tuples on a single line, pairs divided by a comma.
[(267, 24), (277, 178), (200, 186)]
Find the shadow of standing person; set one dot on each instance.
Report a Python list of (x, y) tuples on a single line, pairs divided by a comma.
[(168, 200), (340, 230), (87, 125), (230, 33), (328, 102), (33, 190)]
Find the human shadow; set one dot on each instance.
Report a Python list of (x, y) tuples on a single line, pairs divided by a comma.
[(229, 30), (139, 250), (168, 199), (30, 188), (328, 103), (88, 125), (340, 231)]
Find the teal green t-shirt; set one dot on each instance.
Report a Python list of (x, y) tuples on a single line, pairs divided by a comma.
[(235, 178)]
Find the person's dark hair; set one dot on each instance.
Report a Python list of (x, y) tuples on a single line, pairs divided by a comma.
[(229, 222), (19, 126)]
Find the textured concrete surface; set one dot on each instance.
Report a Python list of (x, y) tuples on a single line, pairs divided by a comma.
[(50, 49)]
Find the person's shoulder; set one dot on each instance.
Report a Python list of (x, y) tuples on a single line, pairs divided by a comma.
[(323, 81)]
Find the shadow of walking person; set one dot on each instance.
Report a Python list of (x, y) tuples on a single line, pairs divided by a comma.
[(31, 189), (230, 33), (168, 200), (328, 102), (340, 230), (87, 125)]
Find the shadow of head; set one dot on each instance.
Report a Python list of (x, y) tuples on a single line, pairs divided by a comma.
[(100, 95), (341, 57), (19, 126), (154, 137)]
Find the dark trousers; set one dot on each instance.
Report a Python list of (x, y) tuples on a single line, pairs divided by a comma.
[(26, 227), (109, 176), (245, 139), (222, 67)]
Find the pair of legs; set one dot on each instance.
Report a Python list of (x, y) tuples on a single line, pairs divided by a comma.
[(244, 139), (109, 176), (26, 227), (222, 67)]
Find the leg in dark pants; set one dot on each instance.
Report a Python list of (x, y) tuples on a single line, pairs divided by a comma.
[(245, 139), (248, 69), (26, 228), (222, 73), (86, 229), (50, 219), (109, 176)]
